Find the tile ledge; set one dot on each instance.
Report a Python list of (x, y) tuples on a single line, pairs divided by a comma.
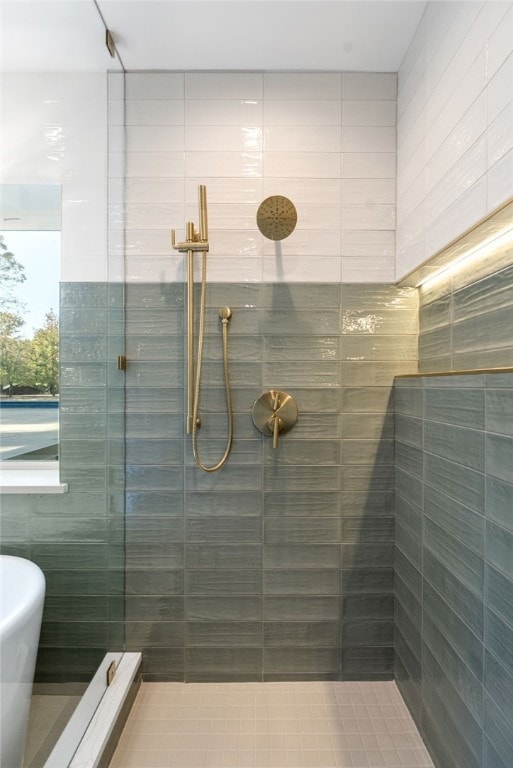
[(463, 372)]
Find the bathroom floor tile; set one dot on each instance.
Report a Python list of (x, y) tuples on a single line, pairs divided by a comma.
[(270, 725)]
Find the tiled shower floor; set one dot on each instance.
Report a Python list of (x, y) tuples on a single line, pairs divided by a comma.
[(270, 725)]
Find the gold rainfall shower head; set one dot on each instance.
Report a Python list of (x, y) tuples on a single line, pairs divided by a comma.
[(276, 217)]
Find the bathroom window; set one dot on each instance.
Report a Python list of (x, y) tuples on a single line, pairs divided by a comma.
[(29, 332)]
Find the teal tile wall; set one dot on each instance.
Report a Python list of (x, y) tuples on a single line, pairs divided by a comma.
[(453, 566), (280, 565), (77, 538), (465, 323)]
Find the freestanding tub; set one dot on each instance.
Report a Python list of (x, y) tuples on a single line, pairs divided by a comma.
[(22, 591)]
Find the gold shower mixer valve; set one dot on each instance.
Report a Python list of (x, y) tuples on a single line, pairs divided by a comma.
[(274, 413)]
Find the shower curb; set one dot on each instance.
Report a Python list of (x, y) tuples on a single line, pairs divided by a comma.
[(106, 723), (99, 731)]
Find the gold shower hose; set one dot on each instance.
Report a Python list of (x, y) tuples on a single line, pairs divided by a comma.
[(225, 314)]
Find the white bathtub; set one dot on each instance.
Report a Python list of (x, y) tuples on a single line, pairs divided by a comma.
[(22, 591)]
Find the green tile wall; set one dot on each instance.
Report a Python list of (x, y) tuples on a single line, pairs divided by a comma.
[(453, 567), (77, 538), (465, 322), (280, 565)]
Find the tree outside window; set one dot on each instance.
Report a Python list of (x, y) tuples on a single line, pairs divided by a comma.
[(28, 366)]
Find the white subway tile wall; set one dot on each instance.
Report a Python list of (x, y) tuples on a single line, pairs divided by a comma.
[(454, 126), (325, 140)]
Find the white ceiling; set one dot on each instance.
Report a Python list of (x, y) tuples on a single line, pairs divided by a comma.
[(52, 35), (262, 34), (361, 35)]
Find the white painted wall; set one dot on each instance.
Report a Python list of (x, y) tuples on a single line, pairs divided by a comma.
[(327, 141), (455, 125), (54, 131)]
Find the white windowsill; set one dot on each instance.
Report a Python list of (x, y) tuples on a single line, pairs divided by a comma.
[(31, 477)]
